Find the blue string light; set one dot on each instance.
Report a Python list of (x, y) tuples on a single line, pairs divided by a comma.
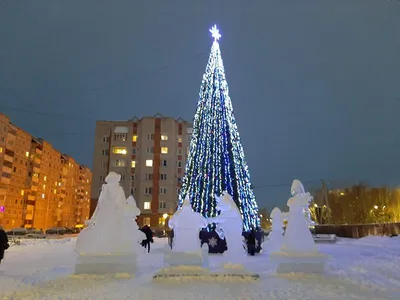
[(216, 159)]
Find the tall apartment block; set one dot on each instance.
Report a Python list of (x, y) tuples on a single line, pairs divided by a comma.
[(39, 186), (150, 154)]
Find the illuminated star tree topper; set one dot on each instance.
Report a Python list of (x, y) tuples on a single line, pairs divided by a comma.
[(215, 33)]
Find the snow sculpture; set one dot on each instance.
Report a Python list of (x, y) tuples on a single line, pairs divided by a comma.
[(275, 237), (186, 225), (298, 252), (298, 237), (110, 242), (186, 245), (230, 222), (298, 189), (131, 212)]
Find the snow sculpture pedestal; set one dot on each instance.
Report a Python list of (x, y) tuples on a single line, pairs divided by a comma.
[(105, 264), (298, 252), (110, 243), (298, 263), (199, 258)]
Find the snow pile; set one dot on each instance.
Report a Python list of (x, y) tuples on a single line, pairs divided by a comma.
[(30, 242)]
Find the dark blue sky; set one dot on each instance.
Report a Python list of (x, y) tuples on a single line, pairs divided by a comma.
[(314, 84)]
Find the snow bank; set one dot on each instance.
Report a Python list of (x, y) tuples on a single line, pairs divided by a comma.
[(32, 242)]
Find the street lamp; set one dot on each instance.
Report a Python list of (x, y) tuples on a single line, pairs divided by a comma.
[(165, 216), (376, 206)]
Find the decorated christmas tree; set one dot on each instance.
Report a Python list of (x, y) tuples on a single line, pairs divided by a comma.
[(216, 161)]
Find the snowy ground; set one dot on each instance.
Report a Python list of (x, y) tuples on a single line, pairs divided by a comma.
[(368, 268)]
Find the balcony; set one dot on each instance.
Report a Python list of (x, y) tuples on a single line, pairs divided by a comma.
[(5, 180), (8, 158), (6, 169)]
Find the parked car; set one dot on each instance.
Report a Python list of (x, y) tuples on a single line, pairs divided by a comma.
[(17, 232), (72, 230), (57, 230), (35, 234)]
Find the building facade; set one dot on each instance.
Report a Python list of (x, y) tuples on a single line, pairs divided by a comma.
[(39, 186), (150, 154)]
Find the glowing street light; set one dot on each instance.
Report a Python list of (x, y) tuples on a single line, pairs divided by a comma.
[(376, 206), (165, 216)]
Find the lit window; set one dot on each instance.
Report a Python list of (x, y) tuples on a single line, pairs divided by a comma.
[(59, 184), (164, 150), (55, 191), (44, 186), (55, 183), (22, 192), (146, 221), (179, 139), (120, 163), (119, 150), (45, 178), (134, 138), (1, 150), (147, 205), (42, 196), (27, 153), (164, 137), (133, 163), (149, 163)]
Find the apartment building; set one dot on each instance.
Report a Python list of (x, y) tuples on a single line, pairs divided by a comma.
[(39, 186), (150, 154)]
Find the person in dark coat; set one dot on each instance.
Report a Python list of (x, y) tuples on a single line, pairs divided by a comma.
[(149, 237), (3, 243), (251, 242)]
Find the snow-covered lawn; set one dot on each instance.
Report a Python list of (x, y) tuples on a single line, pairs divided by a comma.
[(368, 268)]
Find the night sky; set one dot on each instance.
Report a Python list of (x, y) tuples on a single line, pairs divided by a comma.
[(315, 84)]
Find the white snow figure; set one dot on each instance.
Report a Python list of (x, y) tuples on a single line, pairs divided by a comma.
[(131, 213), (230, 222), (298, 188), (275, 237), (109, 231), (298, 238), (186, 225), (131, 209)]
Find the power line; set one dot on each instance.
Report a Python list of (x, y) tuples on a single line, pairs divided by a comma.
[(284, 184)]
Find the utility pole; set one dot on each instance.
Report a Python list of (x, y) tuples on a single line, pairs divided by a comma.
[(326, 199)]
